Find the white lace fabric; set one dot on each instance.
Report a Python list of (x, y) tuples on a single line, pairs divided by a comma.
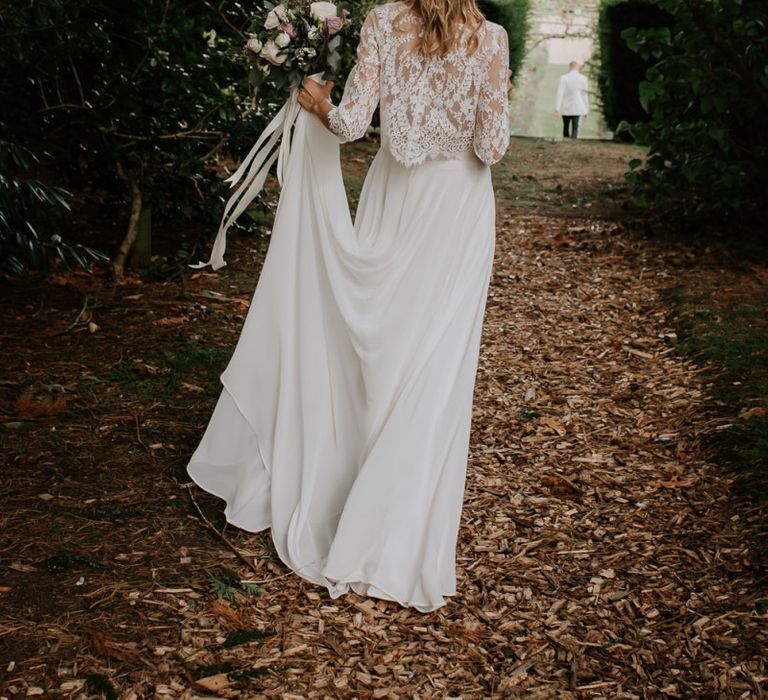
[(430, 106)]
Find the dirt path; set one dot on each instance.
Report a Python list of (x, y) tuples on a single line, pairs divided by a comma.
[(600, 556)]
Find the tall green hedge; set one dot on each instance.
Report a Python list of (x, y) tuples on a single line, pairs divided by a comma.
[(706, 97), (621, 69), (513, 16)]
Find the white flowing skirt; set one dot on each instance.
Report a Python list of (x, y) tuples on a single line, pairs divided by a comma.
[(343, 424)]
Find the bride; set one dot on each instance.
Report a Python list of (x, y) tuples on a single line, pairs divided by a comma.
[(344, 419)]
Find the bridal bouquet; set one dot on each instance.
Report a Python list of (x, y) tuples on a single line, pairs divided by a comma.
[(297, 38), (287, 42)]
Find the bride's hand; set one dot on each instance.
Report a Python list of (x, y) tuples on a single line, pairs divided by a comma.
[(313, 94)]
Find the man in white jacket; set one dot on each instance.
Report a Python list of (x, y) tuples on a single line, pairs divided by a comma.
[(572, 101)]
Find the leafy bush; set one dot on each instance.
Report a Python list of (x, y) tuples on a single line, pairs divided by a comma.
[(707, 100), (513, 16), (128, 96), (27, 205), (620, 68), (134, 98)]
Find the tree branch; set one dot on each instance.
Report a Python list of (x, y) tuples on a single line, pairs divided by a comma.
[(165, 137), (224, 19)]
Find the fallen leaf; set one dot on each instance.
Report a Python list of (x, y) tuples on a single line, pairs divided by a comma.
[(24, 568), (192, 388), (171, 321), (560, 483), (31, 407), (217, 682), (674, 483), (223, 609), (753, 412), (556, 425)]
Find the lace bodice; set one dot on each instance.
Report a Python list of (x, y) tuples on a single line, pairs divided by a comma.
[(430, 107)]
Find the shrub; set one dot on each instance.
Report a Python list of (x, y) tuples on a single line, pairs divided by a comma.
[(133, 97), (706, 99), (27, 206), (620, 68)]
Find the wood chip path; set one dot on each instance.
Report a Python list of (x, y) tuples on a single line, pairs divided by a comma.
[(601, 554)]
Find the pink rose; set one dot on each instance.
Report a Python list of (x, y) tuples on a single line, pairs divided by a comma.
[(333, 25), (289, 29)]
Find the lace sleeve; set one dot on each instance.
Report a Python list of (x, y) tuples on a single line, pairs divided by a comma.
[(492, 122), (350, 120)]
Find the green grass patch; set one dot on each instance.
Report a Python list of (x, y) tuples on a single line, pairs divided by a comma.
[(194, 357), (189, 361), (735, 338)]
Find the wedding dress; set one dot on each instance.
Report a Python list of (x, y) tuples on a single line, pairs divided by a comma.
[(343, 423)]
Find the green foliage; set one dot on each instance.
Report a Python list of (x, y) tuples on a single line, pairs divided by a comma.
[(152, 87), (27, 206), (513, 16), (706, 98), (231, 589), (65, 561), (621, 69), (146, 84)]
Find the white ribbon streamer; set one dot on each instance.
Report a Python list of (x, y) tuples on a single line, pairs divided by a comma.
[(253, 172)]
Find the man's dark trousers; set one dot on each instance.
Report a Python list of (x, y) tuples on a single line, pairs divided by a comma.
[(570, 126)]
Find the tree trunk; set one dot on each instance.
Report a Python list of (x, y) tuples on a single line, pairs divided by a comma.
[(141, 254), (118, 262)]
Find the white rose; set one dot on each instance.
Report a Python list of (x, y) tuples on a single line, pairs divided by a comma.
[(283, 39), (276, 17), (271, 52), (321, 11), (254, 45)]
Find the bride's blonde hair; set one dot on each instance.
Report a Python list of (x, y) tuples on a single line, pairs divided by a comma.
[(440, 17)]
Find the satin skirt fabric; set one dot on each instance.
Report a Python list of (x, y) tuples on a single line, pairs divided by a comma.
[(343, 423)]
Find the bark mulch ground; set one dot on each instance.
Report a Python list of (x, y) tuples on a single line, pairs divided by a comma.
[(602, 553)]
